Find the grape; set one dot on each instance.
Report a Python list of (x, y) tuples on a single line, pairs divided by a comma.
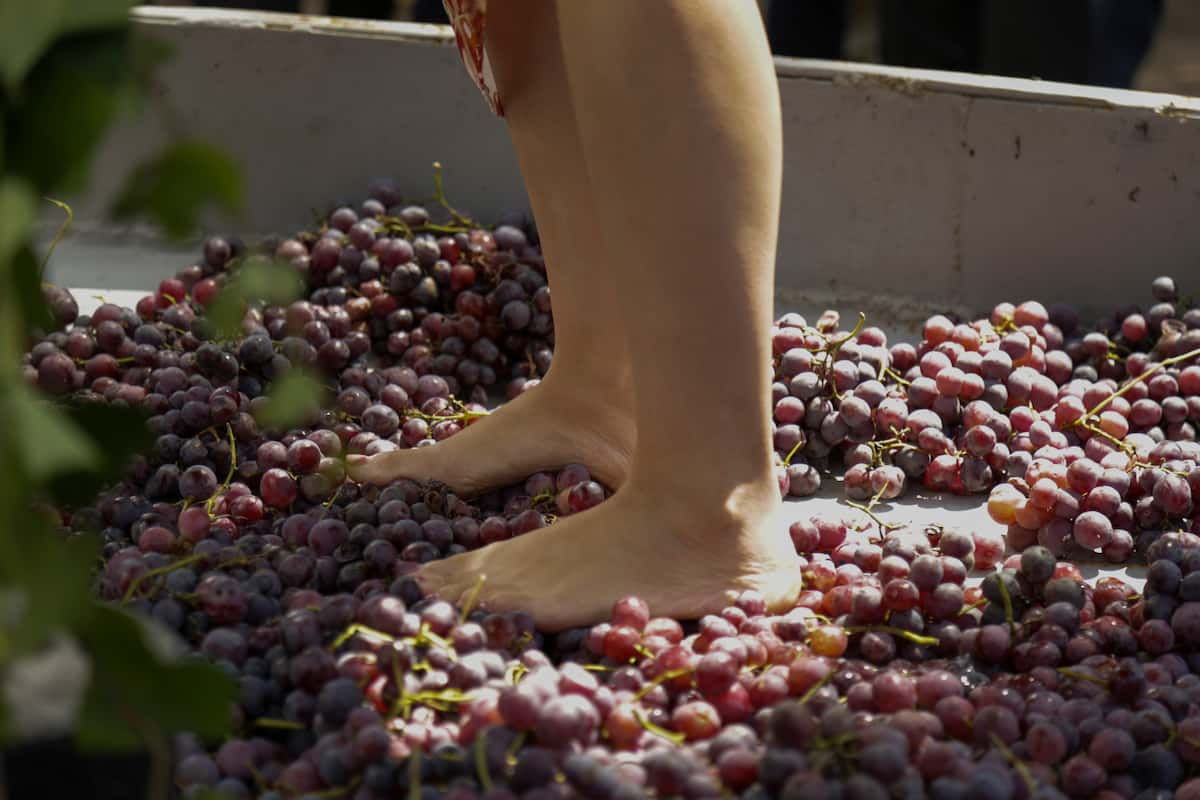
[(926, 572), (197, 769), (337, 698), (631, 612), (1092, 530), (1037, 565), (1185, 622), (1173, 494), (197, 482), (303, 456), (1046, 742), (1112, 749), (893, 692)]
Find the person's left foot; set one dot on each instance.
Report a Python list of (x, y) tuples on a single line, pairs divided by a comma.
[(559, 422), (685, 556)]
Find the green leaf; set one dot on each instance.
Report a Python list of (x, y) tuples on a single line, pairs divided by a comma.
[(118, 433), (68, 102), (293, 398), (55, 575), (174, 186), (27, 288), (257, 280), (28, 27), (18, 209), (136, 694), (48, 442)]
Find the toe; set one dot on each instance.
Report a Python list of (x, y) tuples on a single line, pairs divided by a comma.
[(447, 577), (433, 582), (460, 593), (384, 468), (370, 469)]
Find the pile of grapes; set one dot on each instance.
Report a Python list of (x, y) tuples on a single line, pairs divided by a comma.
[(895, 674)]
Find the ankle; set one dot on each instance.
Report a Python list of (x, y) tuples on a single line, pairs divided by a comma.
[(703, 497), (597, 380)]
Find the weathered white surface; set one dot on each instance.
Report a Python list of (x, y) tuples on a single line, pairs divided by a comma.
[(953, 189)]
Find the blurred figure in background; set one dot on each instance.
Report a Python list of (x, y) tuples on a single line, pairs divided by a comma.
[(430, 11), (807, 28), (1121, 32), (364, 9), (1099, 42)]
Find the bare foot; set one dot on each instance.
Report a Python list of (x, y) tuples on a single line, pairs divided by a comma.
[(685, 556), (546, 428)]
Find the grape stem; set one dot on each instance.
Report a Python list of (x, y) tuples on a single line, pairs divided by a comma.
[(212, 501), (1017, 764), (278, 724), (1005, 325), (1097, 430), (816, 687), (518, 670), (831, 352), (669, 675), (1145, 375), (888, 372), (154, 573), (657, 730), (884, 527), (440, 196), (510, 755), (414, 775), (444, 700), (1079, 676), (787, 461), (481, 765), (332, 499), (357, 629), (62, 231), (471, 598), (915, 638), (461, 416)]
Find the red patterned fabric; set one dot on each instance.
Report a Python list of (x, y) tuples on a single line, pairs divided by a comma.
[(469, 17)]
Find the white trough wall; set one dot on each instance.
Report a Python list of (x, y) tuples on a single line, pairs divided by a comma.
[(900, 185)]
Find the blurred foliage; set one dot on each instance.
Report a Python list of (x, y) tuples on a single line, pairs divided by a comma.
[(257, 279), (68, 70), (173, 187)]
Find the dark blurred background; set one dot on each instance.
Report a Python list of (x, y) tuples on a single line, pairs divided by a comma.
[(1144, 44)]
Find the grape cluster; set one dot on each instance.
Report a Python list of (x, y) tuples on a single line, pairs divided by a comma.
[(896, 673), (979, 403)]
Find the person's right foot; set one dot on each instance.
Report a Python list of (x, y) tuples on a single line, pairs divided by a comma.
[(686, 550), (545, 428)]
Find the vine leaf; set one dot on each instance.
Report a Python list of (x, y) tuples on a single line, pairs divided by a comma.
[(29, 27), (18, 209), (173, 187), (294, 398), (259, 279), (134, 690)]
